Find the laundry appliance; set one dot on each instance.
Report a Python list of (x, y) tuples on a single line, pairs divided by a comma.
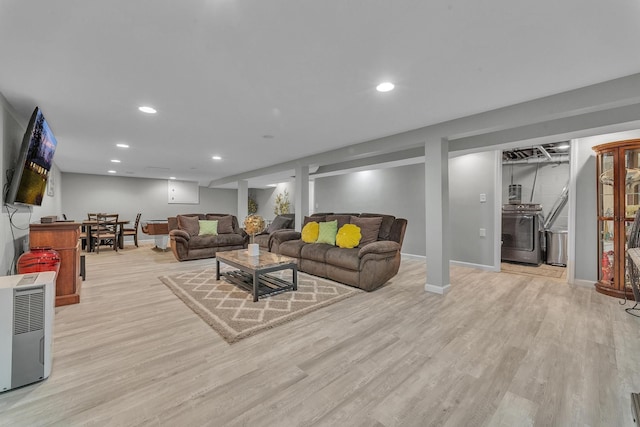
[(522, 233)]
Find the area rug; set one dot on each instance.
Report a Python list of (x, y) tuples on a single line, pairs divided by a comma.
[(531, 270), (231, 312)]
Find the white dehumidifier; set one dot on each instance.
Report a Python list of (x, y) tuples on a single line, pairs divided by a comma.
[(26, 327)]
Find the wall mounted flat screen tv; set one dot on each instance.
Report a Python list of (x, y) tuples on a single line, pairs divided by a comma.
[(29, 182)]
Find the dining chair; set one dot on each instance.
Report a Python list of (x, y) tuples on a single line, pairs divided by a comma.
[(85, 233), (132, 231), (105, 232)]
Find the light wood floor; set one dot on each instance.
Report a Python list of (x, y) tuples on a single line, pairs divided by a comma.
[(498, 350)]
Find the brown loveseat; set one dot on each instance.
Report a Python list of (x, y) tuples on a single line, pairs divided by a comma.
[(368, 266), (187, 244)]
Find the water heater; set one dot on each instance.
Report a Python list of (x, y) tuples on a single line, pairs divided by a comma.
[(26, 326)]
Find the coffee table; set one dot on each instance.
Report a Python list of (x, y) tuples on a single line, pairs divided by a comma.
[(252, 272)]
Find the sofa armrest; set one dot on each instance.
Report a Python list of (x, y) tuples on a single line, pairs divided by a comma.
[(179, 235), (379, 247), (285, 235)]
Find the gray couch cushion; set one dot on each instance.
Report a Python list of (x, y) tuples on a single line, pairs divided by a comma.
[(369, 228), (230, 239), (225, 223), (315, 251), (208, 241), (316, 218), (291, 248), (198, 242), (344, 257), (189, 224), (280, 222), (385, 227), (342, 219)]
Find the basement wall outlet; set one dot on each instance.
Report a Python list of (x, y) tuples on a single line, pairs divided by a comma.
[(483, 232), (483, 198)]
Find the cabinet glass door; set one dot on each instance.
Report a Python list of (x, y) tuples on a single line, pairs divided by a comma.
[(606, 218), (632, 183), (631, 195)]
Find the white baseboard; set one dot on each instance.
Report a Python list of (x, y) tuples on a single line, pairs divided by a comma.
[(441, 290), (584, 283), (412, 256), (472, 265)]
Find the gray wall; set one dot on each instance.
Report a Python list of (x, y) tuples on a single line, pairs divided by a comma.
[(396, 191), (470, 176), (127, 196), (400, 191), (549, 183), (14, 238), (266, 198)]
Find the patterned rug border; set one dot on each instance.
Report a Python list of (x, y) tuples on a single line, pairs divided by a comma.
[(230, 335)]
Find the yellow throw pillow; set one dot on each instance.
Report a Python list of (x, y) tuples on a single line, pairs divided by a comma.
[(310, 232), (348, 236)]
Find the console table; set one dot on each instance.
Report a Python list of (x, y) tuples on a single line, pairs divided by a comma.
[(64, 237)]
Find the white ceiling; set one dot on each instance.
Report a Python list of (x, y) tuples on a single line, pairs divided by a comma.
[(224, 73)]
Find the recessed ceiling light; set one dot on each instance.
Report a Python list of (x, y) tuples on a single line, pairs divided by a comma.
[(115, 161), (112, 171), (272, 185), (122, 145), (385, 87), (217, 158), (147, 109), (562, 146), (172, 177)]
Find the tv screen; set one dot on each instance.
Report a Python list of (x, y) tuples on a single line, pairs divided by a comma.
[(29, 182)]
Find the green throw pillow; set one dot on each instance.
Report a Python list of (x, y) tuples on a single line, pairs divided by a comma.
[(208, 227), (328, 231)]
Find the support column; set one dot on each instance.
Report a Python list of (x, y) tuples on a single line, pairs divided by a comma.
[(302, 194), (243, 200), (436, 171)]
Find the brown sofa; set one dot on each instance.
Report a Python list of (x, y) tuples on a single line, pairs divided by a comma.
[(187, 244), (367, 266)]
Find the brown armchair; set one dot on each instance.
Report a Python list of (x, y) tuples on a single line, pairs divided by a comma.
[(281, 223)]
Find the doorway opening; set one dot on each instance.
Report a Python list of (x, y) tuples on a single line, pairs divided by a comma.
[(535, 187)]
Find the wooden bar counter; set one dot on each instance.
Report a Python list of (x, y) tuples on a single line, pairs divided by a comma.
[(64, 237)]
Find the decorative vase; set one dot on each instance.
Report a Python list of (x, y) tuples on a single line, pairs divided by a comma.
[(253, 249), (39, 259)]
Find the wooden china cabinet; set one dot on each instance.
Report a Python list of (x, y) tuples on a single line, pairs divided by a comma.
[(618, 174)]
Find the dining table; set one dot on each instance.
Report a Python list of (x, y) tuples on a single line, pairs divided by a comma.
[(87, 224)]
